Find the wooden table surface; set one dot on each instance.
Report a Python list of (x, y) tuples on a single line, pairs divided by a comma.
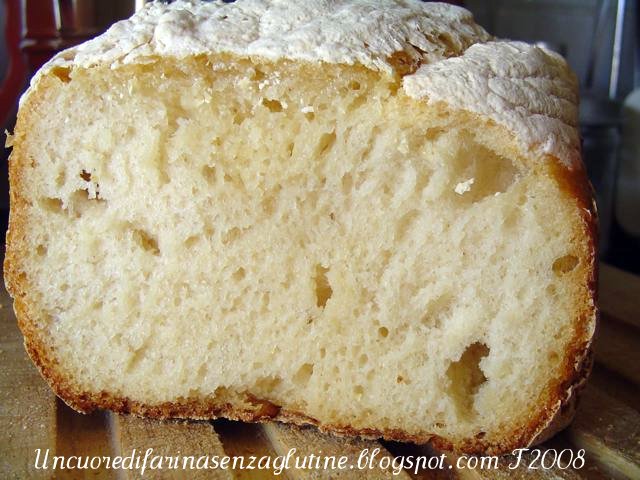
[(607, 424)]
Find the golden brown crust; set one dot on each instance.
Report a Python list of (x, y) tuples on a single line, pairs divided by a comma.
[(579, 359), (559, 401)]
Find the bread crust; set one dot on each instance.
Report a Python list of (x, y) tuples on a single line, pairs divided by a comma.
[(557, 405)]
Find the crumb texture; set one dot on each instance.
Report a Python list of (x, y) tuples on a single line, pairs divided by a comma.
[(330, 245)]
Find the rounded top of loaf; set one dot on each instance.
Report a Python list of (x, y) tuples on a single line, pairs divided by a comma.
[(439, 51)]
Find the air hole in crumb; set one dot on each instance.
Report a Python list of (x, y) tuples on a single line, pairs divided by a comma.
[(512, 218), (274, 106), (363, 359), (146, 241), (310, 116), (238, 118), (258, 75), (52, 205), (209, 174), (290, 147), (268, 383), (358, 390), (323, 352), (231, 235), (565, 264), (82, 201), (269, 204), (323, 288), (347, 183), (191, 241), (433, 133), (266, 302), (303, 374), (437, 311), (209, 231), (41, 250), (383, 332), (239, 274), (478, 172), (326, 142), (357, 103), (466, 377), (405, 224), (201, 373), (61, 178), (354, 85), (64, 74), (393, 88)]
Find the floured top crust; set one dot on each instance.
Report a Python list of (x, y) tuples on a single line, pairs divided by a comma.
[(527, 89)]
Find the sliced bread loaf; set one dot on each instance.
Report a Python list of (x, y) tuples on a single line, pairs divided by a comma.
[(367, 216)]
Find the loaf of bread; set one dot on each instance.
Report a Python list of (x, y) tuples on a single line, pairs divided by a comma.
[(367, 216)]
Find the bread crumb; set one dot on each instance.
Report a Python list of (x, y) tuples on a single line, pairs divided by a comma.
[(8, 143), (307, 109), (463, 187)]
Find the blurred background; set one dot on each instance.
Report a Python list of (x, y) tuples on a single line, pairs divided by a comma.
[(598, 37)]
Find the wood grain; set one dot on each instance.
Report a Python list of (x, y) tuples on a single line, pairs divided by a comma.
[(610, 431), (308, 441), (619, 295), (617, 347), (246, 440), (27, 405), (179, 439), (84, 436)]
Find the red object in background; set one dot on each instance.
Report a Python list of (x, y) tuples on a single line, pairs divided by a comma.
[(31, 41), (47, 27), (14, 81)]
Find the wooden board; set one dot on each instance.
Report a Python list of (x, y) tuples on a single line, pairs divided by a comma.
[(607, 425)]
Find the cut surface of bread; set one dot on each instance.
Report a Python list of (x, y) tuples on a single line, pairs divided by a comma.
[(227, 235)]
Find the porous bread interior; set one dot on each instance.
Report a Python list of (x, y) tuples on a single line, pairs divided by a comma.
[(304, 233)]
